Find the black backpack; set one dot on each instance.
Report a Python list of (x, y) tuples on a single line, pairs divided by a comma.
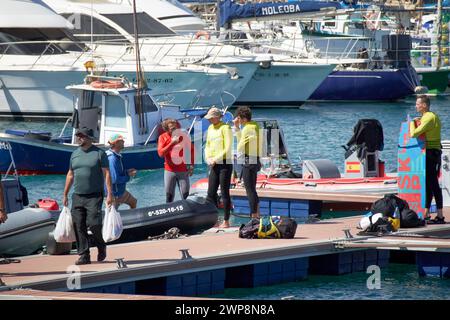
[(287, 228), (249, 230), (387, 205)]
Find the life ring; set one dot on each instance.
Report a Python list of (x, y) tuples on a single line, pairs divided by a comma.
[(107, 84), (203, 34)]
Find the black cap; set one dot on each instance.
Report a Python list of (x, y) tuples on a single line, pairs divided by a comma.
[(86, 132)]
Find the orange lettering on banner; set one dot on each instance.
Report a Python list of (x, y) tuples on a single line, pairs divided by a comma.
[(404, 165)]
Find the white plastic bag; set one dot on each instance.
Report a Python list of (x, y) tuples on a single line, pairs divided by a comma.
[(64, 230), (112, 225)]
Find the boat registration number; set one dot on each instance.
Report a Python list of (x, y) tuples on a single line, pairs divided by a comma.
[(157, 212)]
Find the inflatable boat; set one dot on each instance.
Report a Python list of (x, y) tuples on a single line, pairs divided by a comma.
[(190, 216), (25, 232)]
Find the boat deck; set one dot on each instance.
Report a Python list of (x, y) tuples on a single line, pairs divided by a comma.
[(210, 250)]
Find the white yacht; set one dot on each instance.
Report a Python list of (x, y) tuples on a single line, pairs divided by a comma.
[(38, 59), (173, 15), (277, 80), (113, 31)]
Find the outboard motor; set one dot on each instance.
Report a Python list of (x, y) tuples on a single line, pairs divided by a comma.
[(362, 150), (12, 194)]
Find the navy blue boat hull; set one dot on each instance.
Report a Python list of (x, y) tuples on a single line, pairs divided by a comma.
[(33, 157), (367, 85)]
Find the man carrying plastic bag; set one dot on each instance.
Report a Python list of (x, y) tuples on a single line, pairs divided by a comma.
[(88, 172)]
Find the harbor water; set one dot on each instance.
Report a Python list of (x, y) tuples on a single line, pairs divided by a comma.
[(316, 130)]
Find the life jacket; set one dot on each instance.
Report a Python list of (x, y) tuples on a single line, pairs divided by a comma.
[(268, 229)]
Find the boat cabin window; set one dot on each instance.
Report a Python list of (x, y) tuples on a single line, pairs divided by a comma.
[(331, 24), (147, 26), (102, 31), (148, 104), (27, 41), (90, 100), (115, 113), (88, 112)]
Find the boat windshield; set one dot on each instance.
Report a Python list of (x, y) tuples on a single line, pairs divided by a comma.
[(27, 41), (147, 25), (101, 31)]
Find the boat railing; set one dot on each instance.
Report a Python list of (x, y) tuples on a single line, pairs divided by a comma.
[(12, 166), (69, 120), (222, 95), (170, 96)]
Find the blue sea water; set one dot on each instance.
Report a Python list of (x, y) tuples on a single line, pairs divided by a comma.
[(316, 130)]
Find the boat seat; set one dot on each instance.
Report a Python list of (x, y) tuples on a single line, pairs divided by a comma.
[(320, 169)]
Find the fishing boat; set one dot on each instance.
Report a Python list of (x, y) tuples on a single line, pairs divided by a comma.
[(107, 105)]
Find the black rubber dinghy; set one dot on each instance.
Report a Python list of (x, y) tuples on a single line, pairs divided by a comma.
[(191, 216)]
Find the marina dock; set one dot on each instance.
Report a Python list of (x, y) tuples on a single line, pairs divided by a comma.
[(206, 264)]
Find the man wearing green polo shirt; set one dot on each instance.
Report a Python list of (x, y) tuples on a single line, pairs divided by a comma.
[(88, 172), (430, 126)]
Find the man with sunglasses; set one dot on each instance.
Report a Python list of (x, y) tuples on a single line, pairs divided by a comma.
[(88, 172)]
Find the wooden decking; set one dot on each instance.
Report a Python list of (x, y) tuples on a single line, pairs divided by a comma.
[(209, 251)]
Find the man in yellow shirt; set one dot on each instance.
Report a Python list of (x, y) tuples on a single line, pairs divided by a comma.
[(248, 150), (430, 125), (218, 155)]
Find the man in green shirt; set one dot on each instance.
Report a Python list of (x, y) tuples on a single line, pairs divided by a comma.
[(89, 169), (430, 126), (248, 151)]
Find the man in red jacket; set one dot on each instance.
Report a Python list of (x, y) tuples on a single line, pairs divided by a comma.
[(172, 145)]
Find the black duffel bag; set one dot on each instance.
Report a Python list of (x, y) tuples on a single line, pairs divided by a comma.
[(387, 205), (410, 219)]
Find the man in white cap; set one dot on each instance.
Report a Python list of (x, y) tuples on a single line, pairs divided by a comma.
[(119, 175), (218, 156)]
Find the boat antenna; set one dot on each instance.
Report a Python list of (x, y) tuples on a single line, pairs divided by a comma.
[(92, 29), (140, 79), (439, 34)]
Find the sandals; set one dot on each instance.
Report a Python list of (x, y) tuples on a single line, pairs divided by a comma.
[(436, 220)]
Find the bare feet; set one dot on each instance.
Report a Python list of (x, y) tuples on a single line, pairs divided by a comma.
[(224, 225)]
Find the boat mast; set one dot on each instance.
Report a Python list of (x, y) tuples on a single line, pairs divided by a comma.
[(439, 34), (141, 83)]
